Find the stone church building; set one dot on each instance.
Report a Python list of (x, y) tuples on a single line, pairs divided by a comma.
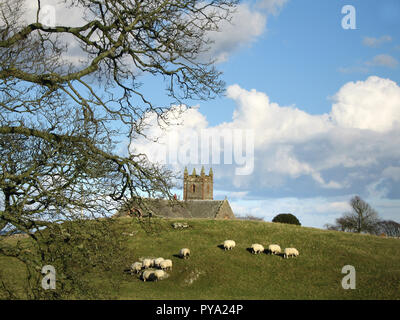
[(197, 201)]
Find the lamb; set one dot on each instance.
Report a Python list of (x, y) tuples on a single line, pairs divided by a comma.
[(274, 248), (158, 274), (257, 248), (147, 263), (166, 264), (148, 275), (136, 267), (184, 253), (156, 262), (229, 244), (290, 252)]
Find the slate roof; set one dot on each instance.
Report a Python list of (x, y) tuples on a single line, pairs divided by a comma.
[(185, 209)]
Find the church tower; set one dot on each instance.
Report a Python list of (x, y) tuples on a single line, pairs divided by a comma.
[(198, 187)]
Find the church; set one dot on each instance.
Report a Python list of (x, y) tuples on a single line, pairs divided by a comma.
[(198, 201)]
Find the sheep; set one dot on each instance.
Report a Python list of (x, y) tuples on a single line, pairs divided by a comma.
[(136, 267), (229, 244), (147, 263), (156, 262), (159, 274), (257, 248), (184, 253), (148, 275), (274, 248), (290, 252), (166, 264)]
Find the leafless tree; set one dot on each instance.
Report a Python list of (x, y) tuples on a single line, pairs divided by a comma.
[(388, 227), (60, 121), (362, 218)]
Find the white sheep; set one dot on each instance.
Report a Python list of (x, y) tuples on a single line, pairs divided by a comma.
[(166, 264), (156, 262), (290, 252), (184, 253), (257, 248), (147, 263), (159, 274), (229, 244), (274, 248), (148, 275), (136, 267)]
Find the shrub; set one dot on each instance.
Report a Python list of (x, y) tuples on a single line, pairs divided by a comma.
[(286, 218)]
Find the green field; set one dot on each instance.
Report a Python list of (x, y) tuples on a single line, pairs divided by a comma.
[(212, 273)]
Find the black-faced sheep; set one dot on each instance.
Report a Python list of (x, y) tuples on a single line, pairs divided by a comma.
[(136, 267), (184, 253), (148, 275)]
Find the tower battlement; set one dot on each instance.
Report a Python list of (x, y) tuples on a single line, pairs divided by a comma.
[(198, 187)]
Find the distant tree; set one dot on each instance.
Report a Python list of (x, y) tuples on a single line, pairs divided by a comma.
[(362, 218), (388, 227), (286, 218)]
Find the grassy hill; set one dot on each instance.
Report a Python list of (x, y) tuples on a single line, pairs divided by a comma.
[(212, 273)]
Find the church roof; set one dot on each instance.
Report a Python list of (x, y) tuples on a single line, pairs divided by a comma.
[(214, 209)]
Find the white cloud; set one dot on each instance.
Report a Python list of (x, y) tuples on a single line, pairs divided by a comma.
[(373, 104), (383, 60), (376, 42), (343, 150), (272, 6), (246, 25)]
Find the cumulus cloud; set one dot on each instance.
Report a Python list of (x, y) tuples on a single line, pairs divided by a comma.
[(244, 28), (383, 60), (376, 42), (343, 150), (373, 104)]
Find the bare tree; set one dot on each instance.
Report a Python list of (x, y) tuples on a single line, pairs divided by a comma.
[(362, 218), (60, 121), (388, 227)]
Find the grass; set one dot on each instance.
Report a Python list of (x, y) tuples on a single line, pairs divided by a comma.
[(212, 273)]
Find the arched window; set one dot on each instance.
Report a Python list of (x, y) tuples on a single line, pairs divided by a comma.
[(193, 188)]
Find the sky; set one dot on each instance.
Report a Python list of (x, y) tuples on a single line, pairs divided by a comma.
[(324, 104), (310, 116)]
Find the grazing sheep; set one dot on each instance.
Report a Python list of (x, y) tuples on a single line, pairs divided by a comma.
[(290, 252), (156, 262), (229, 244), (166, 264), (148, 275), (184, 253), (147, 263), (158, 274), (274, 248), (136, 267), (257, 248)]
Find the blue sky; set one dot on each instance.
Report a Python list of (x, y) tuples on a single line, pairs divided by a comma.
[(330, 101), (322, 103)]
